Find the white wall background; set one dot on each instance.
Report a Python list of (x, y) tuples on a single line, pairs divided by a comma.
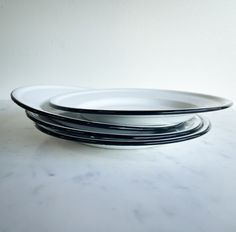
[(173, 44)]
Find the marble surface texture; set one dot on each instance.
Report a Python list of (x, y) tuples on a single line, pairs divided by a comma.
[(51, 185)]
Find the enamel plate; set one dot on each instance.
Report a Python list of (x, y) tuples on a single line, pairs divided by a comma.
[(138, 102), (121, 142), (138, 106), (188, 127), (35, 99)]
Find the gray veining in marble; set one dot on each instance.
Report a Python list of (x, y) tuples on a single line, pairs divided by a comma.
[(48, 184)]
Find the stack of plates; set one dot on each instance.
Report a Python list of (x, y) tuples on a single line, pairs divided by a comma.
[(118, 118)]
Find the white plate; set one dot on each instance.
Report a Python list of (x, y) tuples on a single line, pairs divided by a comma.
[(35, 99), (138, 106), (138, 102)]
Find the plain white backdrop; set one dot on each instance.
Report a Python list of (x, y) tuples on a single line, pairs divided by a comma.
[(170, 44)]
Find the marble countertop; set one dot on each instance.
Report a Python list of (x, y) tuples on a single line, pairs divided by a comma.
[(48, 184)]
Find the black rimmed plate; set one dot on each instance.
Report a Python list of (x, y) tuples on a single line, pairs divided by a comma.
[(140, 102), (138, 106), (123, 143), (186, 128), (35, 99)]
